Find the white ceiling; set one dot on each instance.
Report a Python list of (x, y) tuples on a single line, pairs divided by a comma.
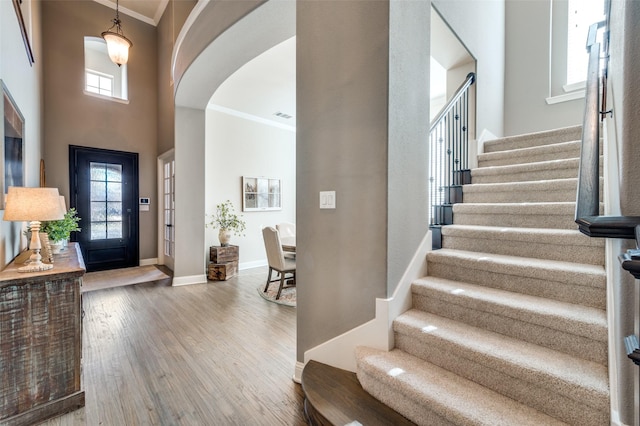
[(149, 11), (265, 86)]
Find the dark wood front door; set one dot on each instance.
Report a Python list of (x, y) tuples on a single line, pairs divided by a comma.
[(104, 191)]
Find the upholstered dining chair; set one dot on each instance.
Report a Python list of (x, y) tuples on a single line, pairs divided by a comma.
[(286, 229), (277, 261)]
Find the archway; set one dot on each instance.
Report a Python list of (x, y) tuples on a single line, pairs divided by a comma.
[(238, 33)]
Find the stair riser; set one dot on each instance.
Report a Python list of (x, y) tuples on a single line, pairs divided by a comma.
[(565, 169), (419, 413), (509, 280), (432, 396), (519, 195), (537, 391), (485, 160), (539, 139), (526, 176), (510, 324), (514, 220), (592, 255)]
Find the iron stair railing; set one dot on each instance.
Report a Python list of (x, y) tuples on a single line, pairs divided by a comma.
[(449, 159)]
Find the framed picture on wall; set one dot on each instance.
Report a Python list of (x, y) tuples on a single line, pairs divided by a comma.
[(261, 194), (18, 6), (13, 144)]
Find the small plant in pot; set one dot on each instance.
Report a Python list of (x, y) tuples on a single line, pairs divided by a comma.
[(59, 231), (227, 221)]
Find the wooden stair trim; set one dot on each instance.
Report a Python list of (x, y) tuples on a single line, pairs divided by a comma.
[(333, 396)]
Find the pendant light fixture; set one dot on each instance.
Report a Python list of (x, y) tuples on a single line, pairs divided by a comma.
[(117, 44)]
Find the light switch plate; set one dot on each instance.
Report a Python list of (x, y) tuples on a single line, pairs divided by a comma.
[(327, 199)]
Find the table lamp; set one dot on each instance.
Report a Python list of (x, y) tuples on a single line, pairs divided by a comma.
[(33, 205)]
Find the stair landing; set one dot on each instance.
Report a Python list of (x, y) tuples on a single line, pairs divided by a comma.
[(335, 397)]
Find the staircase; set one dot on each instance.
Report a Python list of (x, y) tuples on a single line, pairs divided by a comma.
[(510, 326)]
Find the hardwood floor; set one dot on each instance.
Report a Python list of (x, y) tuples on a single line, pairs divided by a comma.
[(205, 354)]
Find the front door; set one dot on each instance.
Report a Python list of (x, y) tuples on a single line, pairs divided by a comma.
[(104, 191)]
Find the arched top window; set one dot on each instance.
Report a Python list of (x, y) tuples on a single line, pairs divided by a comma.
[(102, 77)]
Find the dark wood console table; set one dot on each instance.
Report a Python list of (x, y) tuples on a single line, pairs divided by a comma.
[(41, 340)]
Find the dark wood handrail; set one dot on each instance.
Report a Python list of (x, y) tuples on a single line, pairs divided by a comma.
[(588, 198), (588, 193)]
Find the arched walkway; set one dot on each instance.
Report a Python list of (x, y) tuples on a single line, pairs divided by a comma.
[(217, 39)]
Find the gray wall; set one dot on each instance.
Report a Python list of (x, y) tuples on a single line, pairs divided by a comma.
[(527, 72), (189, 196), (624, 68), (342, 121), (73, 118), (409, 102), (168, 29)]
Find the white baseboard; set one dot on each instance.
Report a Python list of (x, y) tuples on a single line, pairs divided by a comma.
[(152, 261), (615, 419), (485, 136), (339, 352), (297, 373), (192, 279), (254, 264)]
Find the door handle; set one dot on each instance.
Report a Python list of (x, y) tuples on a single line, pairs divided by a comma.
[(128, 224)]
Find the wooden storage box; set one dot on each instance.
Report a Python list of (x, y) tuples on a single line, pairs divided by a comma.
[(218, 254), (222, 271)]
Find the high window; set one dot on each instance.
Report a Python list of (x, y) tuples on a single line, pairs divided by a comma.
[(582, 13), (97, 82), (103, 77), (570, 24)]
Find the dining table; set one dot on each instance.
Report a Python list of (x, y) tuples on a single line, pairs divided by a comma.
[(288, 243)]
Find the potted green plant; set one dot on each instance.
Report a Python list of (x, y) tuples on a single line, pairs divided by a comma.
[(227, 221), (59, 231)]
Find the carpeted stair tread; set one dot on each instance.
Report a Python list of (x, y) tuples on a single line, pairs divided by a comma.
[(433, 396), (553, 244), (543, 170), (555, 190), (546, 373), (538, 325), (530, 154), (546, 137), (558, 215), (566, 317), (565, 281), (511, 319)]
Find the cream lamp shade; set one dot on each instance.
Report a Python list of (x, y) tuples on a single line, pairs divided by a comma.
[(27, 204), (33, 205)]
